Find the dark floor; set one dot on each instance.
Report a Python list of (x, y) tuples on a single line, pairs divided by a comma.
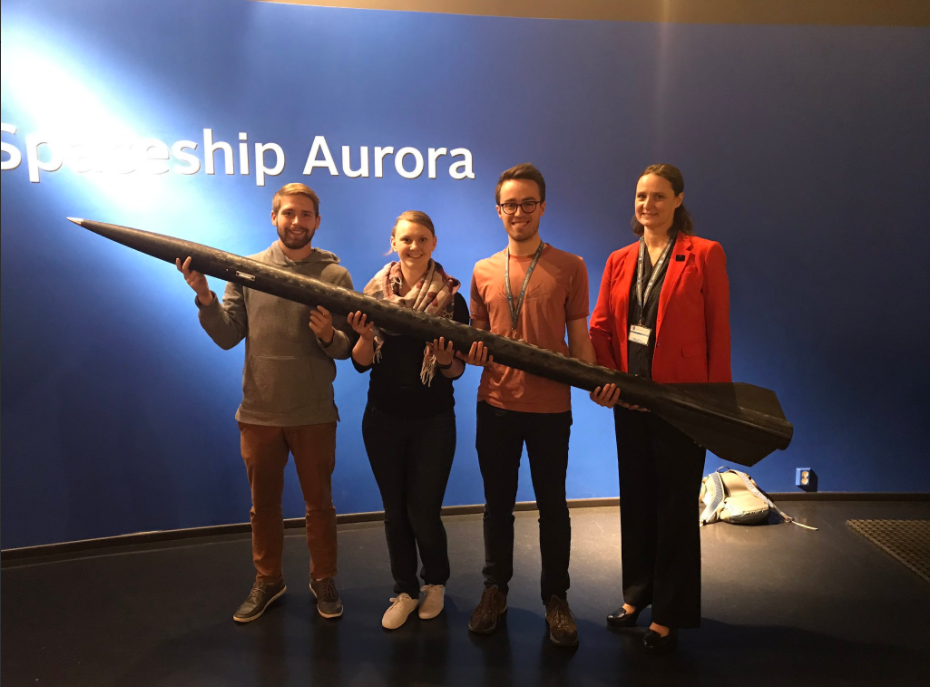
[(782, 606)]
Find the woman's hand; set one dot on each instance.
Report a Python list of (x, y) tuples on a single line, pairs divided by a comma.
[(629, 406), (609, 396), (477, 355), (443, 351), (606, 395), (361, 325)]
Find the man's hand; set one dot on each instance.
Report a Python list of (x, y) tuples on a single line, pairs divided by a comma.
[(609, 396), (477, 355), (196, 281), (361, 325), (321, 322)]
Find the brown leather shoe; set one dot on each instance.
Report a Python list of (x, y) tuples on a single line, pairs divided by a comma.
[(562, 628), (486, 616), (261, 596)]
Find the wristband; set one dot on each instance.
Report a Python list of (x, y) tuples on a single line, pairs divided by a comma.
[(444, 367)]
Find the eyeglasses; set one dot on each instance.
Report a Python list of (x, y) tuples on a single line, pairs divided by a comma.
[(528, 206)]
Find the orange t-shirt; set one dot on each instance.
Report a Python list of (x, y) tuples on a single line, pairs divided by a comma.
[(556, 294)]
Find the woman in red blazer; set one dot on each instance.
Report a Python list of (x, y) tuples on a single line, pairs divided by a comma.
[(663, 312)]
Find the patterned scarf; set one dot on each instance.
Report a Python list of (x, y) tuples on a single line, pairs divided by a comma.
[(433, 294)]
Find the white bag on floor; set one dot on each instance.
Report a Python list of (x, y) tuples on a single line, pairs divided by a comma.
[(733, 496)]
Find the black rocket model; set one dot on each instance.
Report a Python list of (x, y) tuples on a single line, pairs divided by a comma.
[(738, 422)]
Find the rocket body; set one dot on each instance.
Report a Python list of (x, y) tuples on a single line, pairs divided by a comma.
[(738, 422)]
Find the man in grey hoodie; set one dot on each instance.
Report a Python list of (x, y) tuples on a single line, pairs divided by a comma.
[(287, 397)]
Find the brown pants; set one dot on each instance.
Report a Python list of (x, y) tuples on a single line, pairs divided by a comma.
[(265, 450)]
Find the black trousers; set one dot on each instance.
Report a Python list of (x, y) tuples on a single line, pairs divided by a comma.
[(660, 479), (411, 458), (500, 437)]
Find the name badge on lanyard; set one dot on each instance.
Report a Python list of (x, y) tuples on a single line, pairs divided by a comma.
[(515, 308), (639, 333)]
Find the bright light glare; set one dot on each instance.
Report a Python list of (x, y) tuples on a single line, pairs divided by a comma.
[(60, 100)]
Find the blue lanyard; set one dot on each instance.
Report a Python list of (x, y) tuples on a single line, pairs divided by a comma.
[(515, 310), (656, 270)]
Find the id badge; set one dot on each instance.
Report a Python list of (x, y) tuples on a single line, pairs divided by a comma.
[(639, 334)]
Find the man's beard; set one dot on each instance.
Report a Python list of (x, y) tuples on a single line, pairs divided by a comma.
[(295, 242)]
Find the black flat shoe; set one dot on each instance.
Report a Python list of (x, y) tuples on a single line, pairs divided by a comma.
[(655, 643), (620, 618)]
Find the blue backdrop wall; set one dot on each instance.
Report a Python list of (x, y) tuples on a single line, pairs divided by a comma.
[(804, 150)]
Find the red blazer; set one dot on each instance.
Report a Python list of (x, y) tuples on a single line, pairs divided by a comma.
[(693, 324)]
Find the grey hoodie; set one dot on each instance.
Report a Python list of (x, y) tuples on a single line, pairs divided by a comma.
[(288, 375)]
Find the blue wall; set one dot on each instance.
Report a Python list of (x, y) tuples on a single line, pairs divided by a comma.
[(805, 155)]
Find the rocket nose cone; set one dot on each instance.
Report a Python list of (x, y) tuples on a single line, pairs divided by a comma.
[(77, 221)]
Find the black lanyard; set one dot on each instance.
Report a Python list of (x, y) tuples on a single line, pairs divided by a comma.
[(515, 310), (656, 271)]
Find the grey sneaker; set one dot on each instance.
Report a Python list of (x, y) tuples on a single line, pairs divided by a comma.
[(261, 596), (328, 604)]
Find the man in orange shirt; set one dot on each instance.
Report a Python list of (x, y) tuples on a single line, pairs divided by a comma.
[(534, 292)]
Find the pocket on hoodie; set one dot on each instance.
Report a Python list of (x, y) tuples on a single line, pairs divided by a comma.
[(279, 384)]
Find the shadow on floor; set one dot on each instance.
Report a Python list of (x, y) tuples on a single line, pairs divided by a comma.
[(291, 646)]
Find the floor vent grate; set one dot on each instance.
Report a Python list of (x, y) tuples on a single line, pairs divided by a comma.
[(906, 540)]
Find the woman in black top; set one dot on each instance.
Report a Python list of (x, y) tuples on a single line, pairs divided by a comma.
[(409, 423)]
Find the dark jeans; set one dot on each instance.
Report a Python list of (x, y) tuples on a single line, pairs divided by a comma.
[(411, 457), (499, 440), (660, 479)]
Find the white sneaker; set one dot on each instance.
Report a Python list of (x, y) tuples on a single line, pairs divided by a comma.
[(433, 601), (397, 614)]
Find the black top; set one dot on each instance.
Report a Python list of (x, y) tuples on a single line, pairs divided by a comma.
[(395, 385), (639, 356)]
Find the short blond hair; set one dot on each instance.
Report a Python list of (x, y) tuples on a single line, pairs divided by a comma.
[(295, 190)]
